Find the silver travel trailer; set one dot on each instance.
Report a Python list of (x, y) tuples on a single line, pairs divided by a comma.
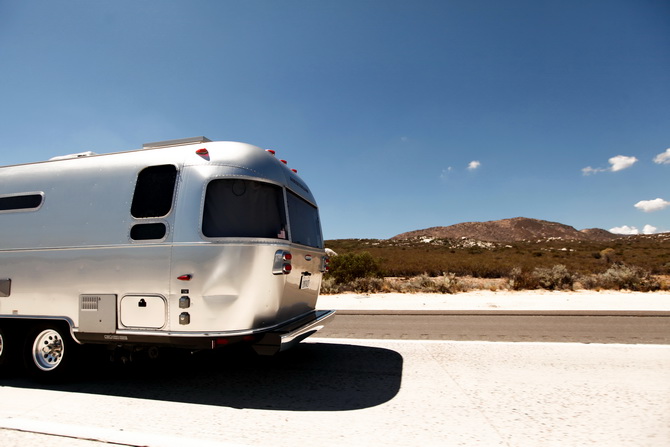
[(185, 243)]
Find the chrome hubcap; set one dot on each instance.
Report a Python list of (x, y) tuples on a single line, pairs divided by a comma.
[(48, 350)]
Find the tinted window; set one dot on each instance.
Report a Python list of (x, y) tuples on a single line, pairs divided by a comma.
[(305, 224), (20, 202), (148, 231), (154, 191), (244, 208)]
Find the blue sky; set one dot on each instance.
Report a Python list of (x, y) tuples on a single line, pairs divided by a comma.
[(401, 115)]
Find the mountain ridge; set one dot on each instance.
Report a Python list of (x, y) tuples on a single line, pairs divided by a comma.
[(511, 230)]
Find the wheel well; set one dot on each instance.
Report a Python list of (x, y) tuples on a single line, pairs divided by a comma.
[(24, 324)]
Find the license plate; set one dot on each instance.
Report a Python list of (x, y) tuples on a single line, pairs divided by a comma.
[(304, 281)]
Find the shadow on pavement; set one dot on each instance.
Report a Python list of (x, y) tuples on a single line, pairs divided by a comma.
[(309, 377)]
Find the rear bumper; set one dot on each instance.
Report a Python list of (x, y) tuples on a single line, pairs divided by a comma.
[(285, 337), (264, 341)]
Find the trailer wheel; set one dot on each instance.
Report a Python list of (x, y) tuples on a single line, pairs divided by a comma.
[(9, 340), (49, 351), (3, 350)]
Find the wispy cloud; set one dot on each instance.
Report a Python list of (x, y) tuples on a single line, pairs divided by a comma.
[(663, 158), (625, 229), (617, 163), (474, 164), (445, 173), (649, 206)]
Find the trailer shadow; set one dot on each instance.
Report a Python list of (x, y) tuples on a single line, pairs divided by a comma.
[(309, 377)]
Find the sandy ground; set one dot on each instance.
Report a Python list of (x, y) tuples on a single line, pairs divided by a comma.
[(501, 300)]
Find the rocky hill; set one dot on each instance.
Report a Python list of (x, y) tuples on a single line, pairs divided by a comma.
[(511, 230)]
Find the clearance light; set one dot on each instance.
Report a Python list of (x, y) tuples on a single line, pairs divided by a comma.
[(294, 170), (185, 277), (284, 161), (204, 153), (270, 151)]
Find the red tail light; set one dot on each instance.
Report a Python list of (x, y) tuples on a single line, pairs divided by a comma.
[(282, 263)]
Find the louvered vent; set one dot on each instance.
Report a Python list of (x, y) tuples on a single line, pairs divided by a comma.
[(89, 302)]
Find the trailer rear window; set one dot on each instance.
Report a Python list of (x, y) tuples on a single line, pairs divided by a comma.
[(244, 208), (305, 224), (154, 191), (22, 202)]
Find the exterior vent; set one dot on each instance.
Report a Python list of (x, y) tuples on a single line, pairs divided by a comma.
[(168, 143), (89, 302)]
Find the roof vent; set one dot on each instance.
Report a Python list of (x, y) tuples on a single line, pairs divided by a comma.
[(182, 141), (77, 155)]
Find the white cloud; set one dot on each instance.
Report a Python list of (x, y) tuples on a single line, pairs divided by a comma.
[(445, 173), (663, 158), (617, 163), (621, 162), (649, 229), (474, 164), (625, 230), (589, 170), (649, 206)]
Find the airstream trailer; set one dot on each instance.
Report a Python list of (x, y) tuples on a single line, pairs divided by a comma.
[(186, 243)]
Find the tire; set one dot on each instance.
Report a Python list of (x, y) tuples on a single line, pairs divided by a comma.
[(49, 352), (10, 340)]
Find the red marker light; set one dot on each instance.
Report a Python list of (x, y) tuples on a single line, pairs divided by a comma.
[(284, 161), (185, 277), (202, 152), (270, 151)]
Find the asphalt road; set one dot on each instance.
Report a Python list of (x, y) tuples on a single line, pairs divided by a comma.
[(517, 326)]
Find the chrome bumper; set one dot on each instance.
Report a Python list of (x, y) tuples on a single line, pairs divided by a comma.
[(285, 337)]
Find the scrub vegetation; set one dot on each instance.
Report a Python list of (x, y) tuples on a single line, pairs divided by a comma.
[(639, 263)]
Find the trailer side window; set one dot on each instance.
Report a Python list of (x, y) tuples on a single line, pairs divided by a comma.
[(154, 191), (149, 231), (21, 202), (244, 208), (305, 224)]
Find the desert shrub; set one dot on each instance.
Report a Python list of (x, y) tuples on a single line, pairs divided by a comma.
[(449, 283), (521, 279), (608, 255), (350, 266), (554, 278), (328, 286), (368, 285), (621, 276)]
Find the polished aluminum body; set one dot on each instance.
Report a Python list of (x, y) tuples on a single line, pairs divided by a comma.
[(74, 256)]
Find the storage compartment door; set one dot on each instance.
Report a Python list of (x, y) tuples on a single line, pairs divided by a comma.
[(143, 311)]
